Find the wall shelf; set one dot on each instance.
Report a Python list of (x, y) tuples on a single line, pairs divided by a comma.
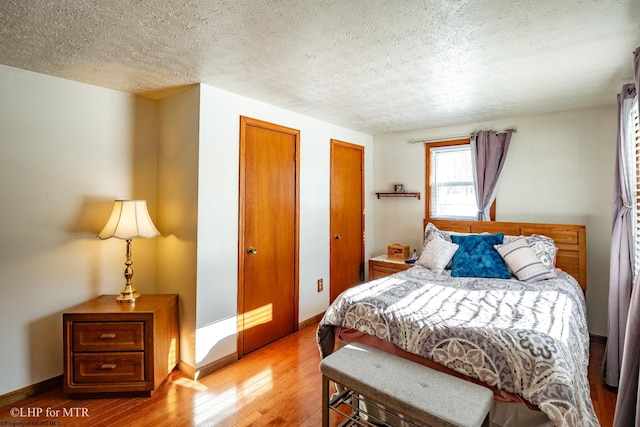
[(398, 194)]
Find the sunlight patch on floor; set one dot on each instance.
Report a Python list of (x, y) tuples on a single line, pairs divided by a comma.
[(210, 408), (192, 384)]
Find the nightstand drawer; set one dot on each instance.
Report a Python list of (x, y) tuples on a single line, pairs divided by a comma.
[(379, 272), (379, 268), (108, 367), (108, 336)]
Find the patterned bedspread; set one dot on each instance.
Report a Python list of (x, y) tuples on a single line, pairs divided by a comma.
[(525, 338)]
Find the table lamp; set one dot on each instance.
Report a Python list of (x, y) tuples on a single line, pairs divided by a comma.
[(129, 219)]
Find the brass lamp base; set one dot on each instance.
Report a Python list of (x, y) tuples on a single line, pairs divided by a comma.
[(128, 294)]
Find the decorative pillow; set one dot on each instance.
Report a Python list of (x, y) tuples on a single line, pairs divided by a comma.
[(436, 254), (477, 257), (431, 232), (523, 261), (543, 246), (545, 249)]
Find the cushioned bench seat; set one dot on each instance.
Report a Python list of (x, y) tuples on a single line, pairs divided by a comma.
[(421, 394)]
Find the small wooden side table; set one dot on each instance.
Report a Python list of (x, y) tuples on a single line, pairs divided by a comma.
[(115, 348)]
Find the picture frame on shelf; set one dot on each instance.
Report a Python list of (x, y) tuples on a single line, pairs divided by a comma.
[(398, 188)]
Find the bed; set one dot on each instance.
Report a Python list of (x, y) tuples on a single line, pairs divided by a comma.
[(526, 339)]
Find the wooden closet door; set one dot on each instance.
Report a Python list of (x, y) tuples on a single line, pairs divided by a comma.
[(347, 216), (268, 249)]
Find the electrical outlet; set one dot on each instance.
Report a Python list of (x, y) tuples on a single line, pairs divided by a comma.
[(320, 285)]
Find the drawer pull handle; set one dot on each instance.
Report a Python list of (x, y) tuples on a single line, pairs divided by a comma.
[(107, 336), (108, 366)]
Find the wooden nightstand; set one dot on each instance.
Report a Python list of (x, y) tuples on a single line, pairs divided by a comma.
[(120, 348), (381, 266)]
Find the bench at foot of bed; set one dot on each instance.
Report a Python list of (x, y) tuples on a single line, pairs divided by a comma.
[(395, 390)]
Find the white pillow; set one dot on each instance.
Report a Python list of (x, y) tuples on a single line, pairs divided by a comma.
[(523, 261), (436, 254)]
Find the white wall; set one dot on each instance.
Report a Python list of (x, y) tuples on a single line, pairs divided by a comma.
[(178, 140), (66, 151), (559, 169)]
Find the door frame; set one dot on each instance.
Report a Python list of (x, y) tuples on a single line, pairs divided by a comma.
[(244, 123)]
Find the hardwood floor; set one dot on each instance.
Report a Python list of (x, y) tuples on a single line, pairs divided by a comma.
[(278, 385), (603, 398)]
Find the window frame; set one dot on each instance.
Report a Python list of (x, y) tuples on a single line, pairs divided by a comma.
[(440, 144)]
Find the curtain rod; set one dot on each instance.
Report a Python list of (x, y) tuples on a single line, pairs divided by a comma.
[(448, 138)]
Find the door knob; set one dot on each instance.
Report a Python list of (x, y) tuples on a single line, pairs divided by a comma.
[(337, 237), (252, 250)]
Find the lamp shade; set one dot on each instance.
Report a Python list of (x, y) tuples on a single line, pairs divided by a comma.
[(129, 219)]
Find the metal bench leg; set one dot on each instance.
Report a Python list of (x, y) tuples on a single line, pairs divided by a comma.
[(325, 401)]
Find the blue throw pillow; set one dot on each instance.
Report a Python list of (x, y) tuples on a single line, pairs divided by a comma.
[(476, 256)]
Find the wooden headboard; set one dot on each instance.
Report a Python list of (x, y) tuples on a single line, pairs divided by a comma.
[(571, 240)]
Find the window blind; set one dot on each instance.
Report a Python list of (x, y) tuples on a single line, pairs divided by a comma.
[(635, 123)]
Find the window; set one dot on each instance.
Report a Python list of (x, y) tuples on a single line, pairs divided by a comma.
[(449, 177), (629, 135)]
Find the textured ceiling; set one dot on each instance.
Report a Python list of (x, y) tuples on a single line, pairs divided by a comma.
[(372, 65)]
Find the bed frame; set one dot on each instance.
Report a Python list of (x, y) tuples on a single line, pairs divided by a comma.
[(571, 240)]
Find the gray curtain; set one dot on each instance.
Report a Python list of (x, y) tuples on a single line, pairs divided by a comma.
[(488, 153), (628, 401), (621, 259)]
